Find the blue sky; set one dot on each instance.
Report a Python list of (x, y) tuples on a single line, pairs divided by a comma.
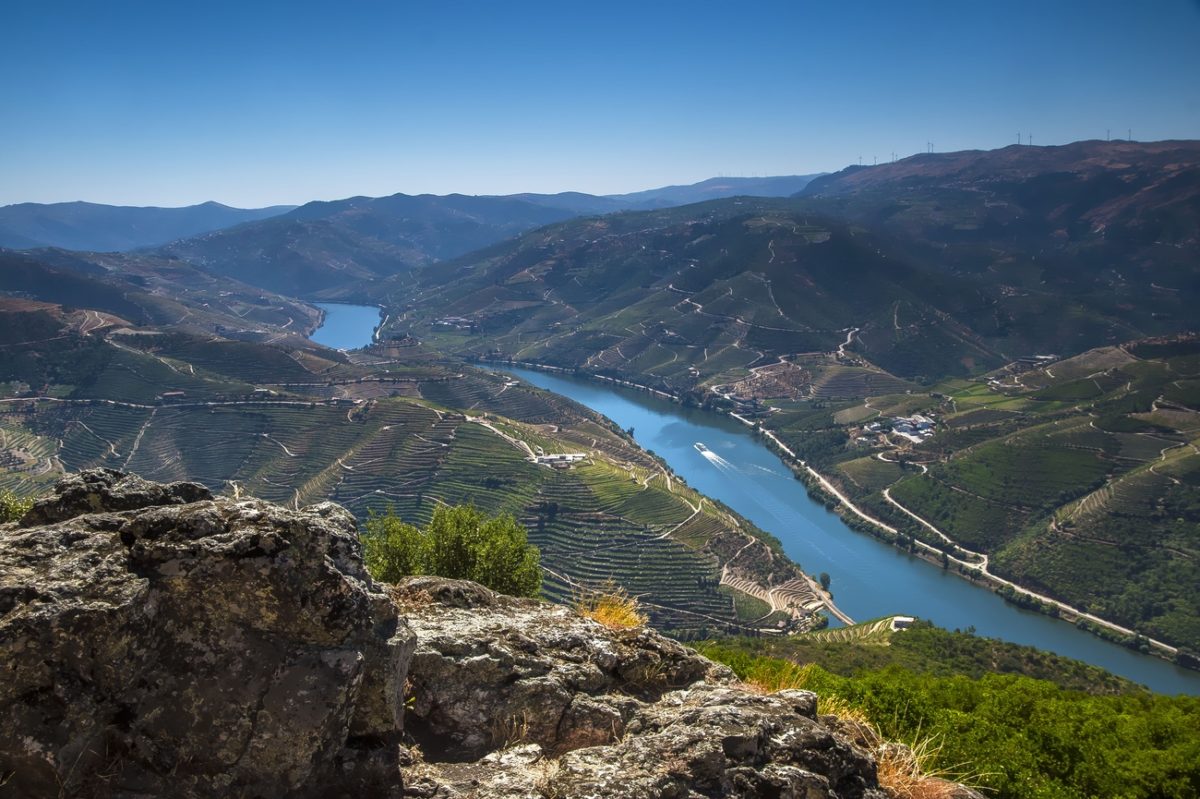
[(256, 103)]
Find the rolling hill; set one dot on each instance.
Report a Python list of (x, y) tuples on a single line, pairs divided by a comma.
[(108, 228), (325, 246), (933, 266), (331, 246), (144, 289)]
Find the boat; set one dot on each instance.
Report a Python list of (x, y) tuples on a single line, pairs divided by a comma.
[(700, 447)]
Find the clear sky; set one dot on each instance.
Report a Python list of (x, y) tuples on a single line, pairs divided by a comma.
[(255, 102)]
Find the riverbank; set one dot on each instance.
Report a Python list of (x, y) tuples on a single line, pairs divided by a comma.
[(969, 566), (769, 594)]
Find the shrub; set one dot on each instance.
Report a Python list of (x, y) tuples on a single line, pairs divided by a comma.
[(13, 507), (460, 543)]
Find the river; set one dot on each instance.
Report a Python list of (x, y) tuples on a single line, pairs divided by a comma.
[(869, 578), (346, 327)]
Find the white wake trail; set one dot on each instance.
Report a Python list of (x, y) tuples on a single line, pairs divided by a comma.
[(716, 460)]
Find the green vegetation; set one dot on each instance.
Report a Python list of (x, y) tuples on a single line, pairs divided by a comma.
[(1019, 737), (459, 542), (13, 507), (925, 649)]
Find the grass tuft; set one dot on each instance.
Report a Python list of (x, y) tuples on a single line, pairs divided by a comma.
[(612, 606)]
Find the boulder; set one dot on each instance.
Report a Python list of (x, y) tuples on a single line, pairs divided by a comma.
[(518, 698), (159, 642)]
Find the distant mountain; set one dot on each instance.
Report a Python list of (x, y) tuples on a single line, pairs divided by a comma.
[(1070, 203), (714, 189), (108, 228), (326, 246), (670, 196), (577, 202)]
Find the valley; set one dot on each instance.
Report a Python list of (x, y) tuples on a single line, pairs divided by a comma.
[(394, 428), (1051, 438), (904, 359)]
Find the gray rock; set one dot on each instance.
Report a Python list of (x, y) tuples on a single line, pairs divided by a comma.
[(103, 490), (518, 698), (160, 642)]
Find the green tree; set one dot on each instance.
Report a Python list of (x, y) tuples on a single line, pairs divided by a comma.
[(460, 543)]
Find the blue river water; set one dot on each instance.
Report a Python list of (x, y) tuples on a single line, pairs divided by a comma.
[(869, 578), (346, 327)]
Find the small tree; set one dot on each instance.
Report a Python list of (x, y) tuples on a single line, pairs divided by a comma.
[(460, 543), (824, 578)]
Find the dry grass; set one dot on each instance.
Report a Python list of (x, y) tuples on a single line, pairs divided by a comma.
[(906, 771), (411, 598), (768, 679), (510, 731), (612, 606), (833, 705)]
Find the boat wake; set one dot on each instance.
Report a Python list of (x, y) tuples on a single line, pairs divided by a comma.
[(714, 458)]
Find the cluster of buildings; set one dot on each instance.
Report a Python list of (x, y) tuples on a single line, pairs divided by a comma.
[(562, 460), (456, 323), (915, 428)]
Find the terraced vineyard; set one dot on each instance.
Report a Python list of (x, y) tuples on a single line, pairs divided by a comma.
[(450, 436), (877, 631), (1077, 483)]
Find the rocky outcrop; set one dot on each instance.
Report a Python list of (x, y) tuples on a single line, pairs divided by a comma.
[(158, 641), (518, 698)]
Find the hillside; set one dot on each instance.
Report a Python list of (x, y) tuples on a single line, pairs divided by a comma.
[(692, 296), (108, 228), (328, 245), (1097, 224), (145, 289), (387, 428), (1075, 478), (1058, 251), (923, 648)]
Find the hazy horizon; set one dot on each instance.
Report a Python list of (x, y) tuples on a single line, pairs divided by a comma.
[(133, 103)]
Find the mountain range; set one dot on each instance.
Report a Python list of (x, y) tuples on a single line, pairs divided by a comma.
[(372, 236), (107, 228)]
